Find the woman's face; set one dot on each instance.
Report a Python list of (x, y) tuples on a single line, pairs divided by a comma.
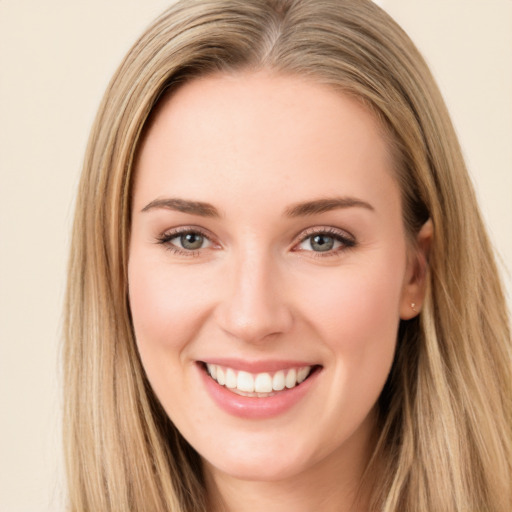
[(268, 249)]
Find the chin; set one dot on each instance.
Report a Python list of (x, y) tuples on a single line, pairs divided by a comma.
[(260, 470), (270, 461)]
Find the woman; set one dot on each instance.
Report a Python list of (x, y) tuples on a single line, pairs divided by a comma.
[(281, 294)]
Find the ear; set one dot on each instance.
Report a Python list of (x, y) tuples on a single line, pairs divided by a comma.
[(415, 282)]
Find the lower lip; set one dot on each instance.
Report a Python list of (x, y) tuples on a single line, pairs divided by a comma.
[(253, 407)]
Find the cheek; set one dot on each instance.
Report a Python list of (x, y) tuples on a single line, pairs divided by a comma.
[(165, 305), (167, 310), (357, 315), (357, 301)]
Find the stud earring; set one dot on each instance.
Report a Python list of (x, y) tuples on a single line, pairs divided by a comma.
[(413, 307)]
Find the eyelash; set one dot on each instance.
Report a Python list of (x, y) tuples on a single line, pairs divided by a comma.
[(165, 240), (347, 241)]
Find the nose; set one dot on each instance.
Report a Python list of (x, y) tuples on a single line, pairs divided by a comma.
[(253, 306)]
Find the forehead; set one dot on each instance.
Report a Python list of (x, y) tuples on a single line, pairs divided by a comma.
[(257, 132)]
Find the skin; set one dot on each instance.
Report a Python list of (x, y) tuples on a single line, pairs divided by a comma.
[(252, 145)]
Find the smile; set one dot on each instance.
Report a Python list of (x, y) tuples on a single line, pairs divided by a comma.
[(259, 385), (258, 390)]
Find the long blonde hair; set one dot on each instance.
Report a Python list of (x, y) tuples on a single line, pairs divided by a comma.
[(446, 410)]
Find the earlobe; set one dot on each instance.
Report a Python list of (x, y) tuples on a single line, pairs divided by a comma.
[(415, 283)]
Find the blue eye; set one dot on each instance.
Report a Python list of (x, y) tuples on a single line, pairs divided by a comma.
[(191, 241), (322, 243), (185, 242), (330, 241)]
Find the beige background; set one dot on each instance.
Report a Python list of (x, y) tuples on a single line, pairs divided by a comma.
[(56, 57)]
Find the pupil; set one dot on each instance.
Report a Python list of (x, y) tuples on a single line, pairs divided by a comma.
[(322, 243), (191, 241)]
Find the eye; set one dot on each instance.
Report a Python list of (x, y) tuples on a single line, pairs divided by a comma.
[(190, 241), (319, 243), (185, 241), (325, 241)]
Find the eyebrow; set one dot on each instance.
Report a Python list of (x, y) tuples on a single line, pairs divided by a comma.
[(302, 209), (325, 205), (185, 206)]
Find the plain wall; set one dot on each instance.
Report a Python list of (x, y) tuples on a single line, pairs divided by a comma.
[(56, 58)]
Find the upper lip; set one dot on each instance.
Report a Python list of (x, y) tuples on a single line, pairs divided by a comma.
[(258, 366)]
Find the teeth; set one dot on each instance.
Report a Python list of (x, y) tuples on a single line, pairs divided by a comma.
[(212, 370), (263, 383), (260, 384), (231, 381), (245, 382), (291, 378), (302, 374), (278, 382)]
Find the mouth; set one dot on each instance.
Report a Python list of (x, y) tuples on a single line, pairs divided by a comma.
[(259, 385)]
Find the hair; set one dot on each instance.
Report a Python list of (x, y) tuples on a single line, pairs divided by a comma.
[(446, 410)]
